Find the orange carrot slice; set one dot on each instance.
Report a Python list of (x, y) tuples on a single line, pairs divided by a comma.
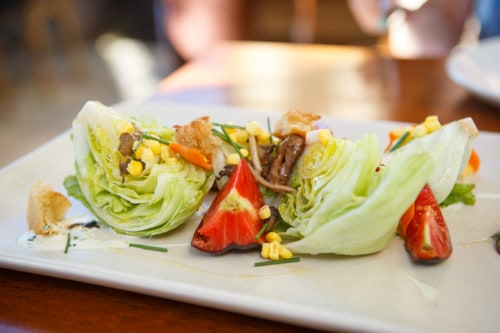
[(392, 139), (474, 161), (473, 164), (191, 155)]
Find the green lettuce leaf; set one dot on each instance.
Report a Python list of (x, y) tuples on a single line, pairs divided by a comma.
[(346, 203), (163, 197), (460, 193), (358, 207)]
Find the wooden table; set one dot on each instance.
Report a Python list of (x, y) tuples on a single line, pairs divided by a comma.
[(351, 82), (342, 81)]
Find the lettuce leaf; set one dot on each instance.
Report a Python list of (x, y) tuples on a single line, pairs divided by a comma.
[(163, 197), (358, 210), (348, 204), (450, 147), (460, 193)]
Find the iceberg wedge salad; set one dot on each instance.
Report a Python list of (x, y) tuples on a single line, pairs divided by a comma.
[(350, 197), (358, 209), (142, 196)]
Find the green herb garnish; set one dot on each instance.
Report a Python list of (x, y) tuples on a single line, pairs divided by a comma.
[(400, 141), (269, 129), (226, 137), (276, 262), (148, 247), (155, 138), (219, 134), (262, 230), (460, 193), (229, 126), (68, 243), (232, 143)]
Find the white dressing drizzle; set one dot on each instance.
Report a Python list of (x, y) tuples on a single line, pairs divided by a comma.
[(81, 237), (429, 292)]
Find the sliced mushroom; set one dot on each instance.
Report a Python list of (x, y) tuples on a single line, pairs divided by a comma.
[(288, 153)]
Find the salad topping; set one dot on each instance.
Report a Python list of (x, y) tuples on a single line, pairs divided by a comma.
[(296, 189)]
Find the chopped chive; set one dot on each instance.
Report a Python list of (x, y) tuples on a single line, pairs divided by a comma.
[(262, 230), (225, 138), (68, 243), (137, 144), (276, 262), (229, 126), (148, 247), (400, 141), (232, 143), (269, 130), (152, 137), (218, 134)]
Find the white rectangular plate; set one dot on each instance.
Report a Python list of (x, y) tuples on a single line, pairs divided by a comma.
[(380, 292)]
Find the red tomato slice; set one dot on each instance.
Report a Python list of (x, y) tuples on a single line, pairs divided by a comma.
[(426, 235), (232, 221), (405, 220)]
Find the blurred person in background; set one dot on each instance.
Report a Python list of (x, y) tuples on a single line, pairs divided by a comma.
[(426, 28), (193, 25)]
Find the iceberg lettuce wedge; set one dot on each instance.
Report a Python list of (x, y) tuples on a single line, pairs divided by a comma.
[(158, 200), (345, 204)]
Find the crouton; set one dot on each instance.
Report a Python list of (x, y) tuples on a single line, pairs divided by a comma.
[(198, 134), (46, 208), (295, 122)]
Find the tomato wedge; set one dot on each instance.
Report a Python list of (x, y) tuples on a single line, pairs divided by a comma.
[(426, 234), (232, 221)]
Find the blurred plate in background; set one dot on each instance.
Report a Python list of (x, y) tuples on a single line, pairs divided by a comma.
[(477, 69)]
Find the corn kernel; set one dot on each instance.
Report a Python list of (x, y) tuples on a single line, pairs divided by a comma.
[(285, 253), (419, 131), (265, 250), (244, 152), (263, 137), (264, 212), (253, 128), (138, 152), (134, 168), (240, 136), (126, 127), (324, 136), (432, 124), (273, 236), (147, 156), (233, 159), (155, 146), (274, 250), (165, 152)]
